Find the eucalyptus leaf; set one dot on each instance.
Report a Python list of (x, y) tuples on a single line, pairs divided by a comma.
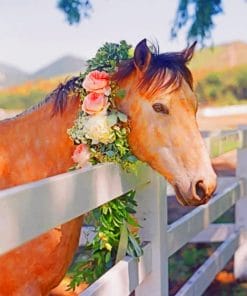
[(135, 244), (123, 242), (131, 158), (122, 117), (110, 153), (112, 119)]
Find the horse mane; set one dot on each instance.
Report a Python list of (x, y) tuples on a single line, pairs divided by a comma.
[(164, 70), (61, 93)]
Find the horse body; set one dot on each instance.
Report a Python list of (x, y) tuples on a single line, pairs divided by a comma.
[(43, 150), (35, 145), (161, 110)]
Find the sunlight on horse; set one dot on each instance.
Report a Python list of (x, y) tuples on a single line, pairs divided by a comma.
[(161, 108)]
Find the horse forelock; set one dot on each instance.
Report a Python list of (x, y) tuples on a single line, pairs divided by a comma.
[(164, 71)]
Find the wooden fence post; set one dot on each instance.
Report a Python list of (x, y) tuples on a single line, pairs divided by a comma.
[(240, 258), (152, 216)]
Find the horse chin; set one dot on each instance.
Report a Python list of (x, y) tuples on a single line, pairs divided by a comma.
[(180, 198)]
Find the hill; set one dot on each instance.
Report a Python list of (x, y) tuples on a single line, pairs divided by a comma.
[(63, 66), (218, 59), (10, 75)]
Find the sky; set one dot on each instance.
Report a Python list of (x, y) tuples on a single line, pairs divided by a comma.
[(35, 33)]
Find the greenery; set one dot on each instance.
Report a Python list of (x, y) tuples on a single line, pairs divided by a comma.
[(224, 87), (109, 56), (109, 222)]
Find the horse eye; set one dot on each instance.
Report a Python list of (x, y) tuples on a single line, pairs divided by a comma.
[(160, 108)]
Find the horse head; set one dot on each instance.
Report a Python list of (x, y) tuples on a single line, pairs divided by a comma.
[(161, 106)]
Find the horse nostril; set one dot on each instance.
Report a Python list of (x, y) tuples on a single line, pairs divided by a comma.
[(200, 190)]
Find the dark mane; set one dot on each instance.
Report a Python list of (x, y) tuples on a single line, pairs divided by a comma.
[(61, 93), (156, 76)]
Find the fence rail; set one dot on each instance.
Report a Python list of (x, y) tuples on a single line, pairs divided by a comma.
[(27, 211)]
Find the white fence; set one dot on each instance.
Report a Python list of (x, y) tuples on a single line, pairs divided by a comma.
[(29, 210)]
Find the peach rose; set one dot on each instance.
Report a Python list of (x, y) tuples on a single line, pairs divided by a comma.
[(98, 82), (94, 103), (81, 155)]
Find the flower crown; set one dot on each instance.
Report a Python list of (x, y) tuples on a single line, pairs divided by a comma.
[(100, 131)]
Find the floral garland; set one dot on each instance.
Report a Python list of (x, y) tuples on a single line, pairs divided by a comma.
[(100, 129), (100, 133)]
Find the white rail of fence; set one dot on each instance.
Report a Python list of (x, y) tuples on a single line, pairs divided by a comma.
[(27, 211)]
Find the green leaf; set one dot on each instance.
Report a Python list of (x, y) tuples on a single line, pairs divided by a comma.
[(123, 242), (135, 244), (122, 117), (112, 119), (110, 153), (108, 257), (121, 93), (131, 158)]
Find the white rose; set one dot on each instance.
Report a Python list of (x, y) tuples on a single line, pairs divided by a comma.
[(98, 130)]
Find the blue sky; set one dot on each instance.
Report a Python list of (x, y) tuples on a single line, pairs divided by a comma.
[(34, 33)]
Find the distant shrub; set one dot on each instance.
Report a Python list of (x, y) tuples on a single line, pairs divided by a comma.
[(224, 87), (17, 101)]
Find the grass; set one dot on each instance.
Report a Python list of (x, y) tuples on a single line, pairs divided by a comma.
[(224, 143)]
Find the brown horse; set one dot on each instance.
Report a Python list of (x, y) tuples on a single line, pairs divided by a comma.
[(161, 108)]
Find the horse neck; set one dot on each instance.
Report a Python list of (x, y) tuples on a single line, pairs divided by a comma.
[(35, 145)]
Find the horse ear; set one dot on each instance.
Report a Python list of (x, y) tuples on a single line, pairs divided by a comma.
[(188, 52), (142, 56)]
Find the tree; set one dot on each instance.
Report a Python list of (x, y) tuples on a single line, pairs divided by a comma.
[(75, 10), (200, 20), (198, 15)]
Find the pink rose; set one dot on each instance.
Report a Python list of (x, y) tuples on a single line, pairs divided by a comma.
[(94, 103), (81, 155), (98, 82)]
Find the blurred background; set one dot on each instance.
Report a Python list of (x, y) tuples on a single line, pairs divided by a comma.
[(45, 42)]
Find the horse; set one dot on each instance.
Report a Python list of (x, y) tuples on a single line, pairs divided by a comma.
[(161, 108)]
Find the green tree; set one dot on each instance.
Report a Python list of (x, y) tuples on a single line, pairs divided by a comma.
[(75, 10), (198, 15)]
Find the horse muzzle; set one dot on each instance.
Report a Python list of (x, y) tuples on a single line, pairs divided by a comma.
[(199, 192)]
